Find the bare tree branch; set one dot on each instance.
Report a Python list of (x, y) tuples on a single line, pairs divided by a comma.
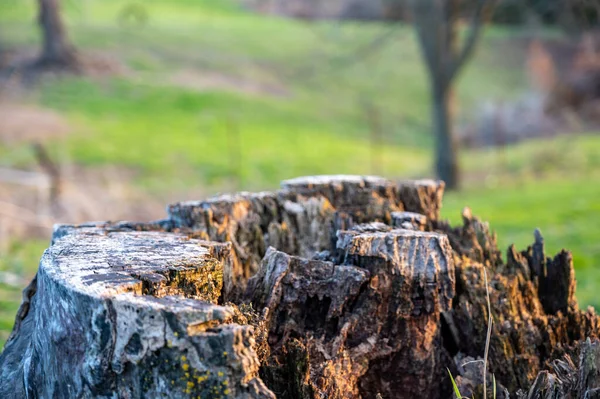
[(473, 35), (52, 169), (358, 54)]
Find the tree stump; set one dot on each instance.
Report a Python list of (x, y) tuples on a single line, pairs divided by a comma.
[(129, 314), (331, 287)]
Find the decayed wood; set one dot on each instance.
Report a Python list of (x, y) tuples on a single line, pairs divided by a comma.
[(300, 219), (332, 287), (368, 326), (536, 317), (423, 196), (565, 380)]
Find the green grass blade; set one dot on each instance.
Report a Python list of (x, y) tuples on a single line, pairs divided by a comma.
[(454, 386)]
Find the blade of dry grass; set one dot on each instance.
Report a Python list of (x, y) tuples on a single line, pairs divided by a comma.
[(487, 338)]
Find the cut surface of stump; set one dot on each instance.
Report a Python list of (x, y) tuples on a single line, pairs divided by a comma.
[(341, 287)]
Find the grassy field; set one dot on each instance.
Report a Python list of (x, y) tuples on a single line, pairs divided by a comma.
[(207, 95)]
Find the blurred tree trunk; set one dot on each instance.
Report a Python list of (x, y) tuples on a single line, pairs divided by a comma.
[(56, 50), (437, 24), (445, 146)]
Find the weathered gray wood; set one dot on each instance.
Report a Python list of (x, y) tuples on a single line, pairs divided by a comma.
[(409, 220), (363, 198), (129, 314)]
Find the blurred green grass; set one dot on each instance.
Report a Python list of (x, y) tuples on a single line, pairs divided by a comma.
[(308, 116), (21, 260)]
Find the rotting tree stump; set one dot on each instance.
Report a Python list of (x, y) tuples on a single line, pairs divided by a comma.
[(332, 287)]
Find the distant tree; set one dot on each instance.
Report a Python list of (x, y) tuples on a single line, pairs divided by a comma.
[(438, 23), (57, 51), (581, 16)]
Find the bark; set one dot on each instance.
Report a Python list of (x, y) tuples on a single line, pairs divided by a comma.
[(56, 49), (332, 287)]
